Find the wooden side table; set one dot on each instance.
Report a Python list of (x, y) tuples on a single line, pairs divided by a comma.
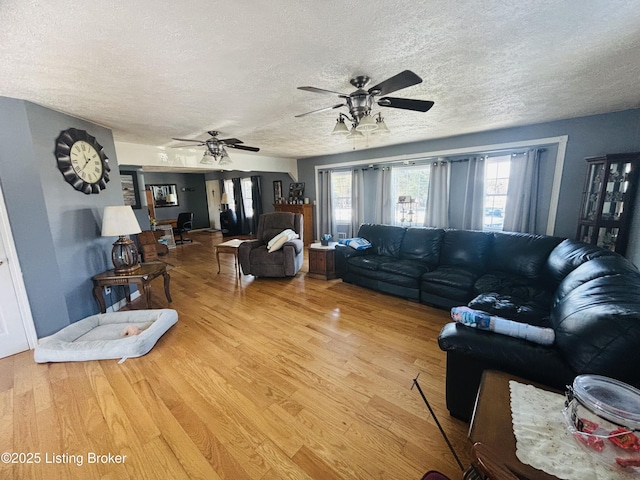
[(230, 246), (142, 276), (322, 261), (491, 423)]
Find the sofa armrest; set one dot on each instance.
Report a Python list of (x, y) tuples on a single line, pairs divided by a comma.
[(471, 351)]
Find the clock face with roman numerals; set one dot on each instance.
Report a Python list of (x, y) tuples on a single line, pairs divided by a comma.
[(82, 161)]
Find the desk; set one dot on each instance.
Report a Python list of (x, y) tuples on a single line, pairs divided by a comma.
[(142, 276), (491, 423), (230, 246)]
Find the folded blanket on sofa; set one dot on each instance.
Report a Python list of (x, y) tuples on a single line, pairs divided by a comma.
[(482, 320), (357, 243)]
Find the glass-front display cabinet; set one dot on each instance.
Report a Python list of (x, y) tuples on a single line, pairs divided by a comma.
[(607, 201)]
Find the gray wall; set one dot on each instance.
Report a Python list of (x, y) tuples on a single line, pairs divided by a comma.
[(56, 228), (192, 199), (590, 136)]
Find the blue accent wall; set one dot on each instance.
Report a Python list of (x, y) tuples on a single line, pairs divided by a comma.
[(590, 136), (56, 228)]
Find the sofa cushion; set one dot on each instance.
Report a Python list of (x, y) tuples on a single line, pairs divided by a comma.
[(422, 244), (504, 283), (465, 248), (513, 308), (386, 277), (367, 262), (408, 268), (570, 254), (386, 239), (521, 253), (450, 282)]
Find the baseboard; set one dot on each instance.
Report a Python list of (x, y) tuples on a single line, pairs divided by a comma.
[(117, 306)]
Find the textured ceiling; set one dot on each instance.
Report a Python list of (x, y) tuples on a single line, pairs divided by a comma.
[(154, 70)]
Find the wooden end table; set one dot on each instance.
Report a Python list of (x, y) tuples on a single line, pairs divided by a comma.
[(142, 276), (491, 423), (230, 246), (322, 261)]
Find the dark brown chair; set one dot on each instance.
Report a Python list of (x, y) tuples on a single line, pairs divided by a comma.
[(183, 225), (256, 260), (150, 248)]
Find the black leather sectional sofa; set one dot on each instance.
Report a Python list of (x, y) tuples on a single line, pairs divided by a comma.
[(588, 295)]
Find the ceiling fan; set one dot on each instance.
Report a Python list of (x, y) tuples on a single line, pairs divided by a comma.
[(361, 101), (216, 147)]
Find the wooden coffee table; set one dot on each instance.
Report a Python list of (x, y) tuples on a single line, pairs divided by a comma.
[(230, 246), (142, 276), (491, 423)]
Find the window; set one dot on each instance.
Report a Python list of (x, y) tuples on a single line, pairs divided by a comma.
[(228, 189), (247, 198), (341, 191), (496, 184), (410, 182)]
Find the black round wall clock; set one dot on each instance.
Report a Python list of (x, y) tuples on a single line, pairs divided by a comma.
[(82, 161)]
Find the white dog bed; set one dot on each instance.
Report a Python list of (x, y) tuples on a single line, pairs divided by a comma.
[(101, 337)]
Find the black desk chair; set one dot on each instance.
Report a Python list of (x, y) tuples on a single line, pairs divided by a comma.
[(184, 224)]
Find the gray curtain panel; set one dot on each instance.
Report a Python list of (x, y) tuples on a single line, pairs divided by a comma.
[(243, 222), (384, 202), (357, 201), (473, 207), (437, 214), (325, 204), (522, 194)]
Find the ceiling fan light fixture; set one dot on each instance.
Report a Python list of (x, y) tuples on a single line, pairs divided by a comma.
[(354, 134), (207, 158), (340, 128), (367, 124), (382, 127)]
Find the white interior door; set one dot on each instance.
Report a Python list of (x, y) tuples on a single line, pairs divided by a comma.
[(213, 202), (17, 332)]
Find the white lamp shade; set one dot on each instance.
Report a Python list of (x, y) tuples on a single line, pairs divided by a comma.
[(367, 124), (119, 220), (172, 198), (225, 199)]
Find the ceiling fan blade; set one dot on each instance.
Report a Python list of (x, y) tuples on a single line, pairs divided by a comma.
[(406, 104), (188, 140), (321, 90), (188, 146), (402, 80), (244, 147), (231, 141), (321, 110)]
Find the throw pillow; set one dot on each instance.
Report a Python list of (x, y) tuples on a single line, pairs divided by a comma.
[(357, 243), (285, 233), (278, 244), (482, 320)]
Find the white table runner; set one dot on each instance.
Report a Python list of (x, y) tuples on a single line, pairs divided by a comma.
[(544, 442)]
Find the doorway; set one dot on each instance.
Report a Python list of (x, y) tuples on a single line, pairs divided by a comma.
[(17, 332), (213, 203)]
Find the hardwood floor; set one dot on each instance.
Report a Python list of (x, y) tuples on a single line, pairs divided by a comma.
[(259, 379)]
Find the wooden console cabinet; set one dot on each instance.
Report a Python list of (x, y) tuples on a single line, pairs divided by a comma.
[(307, 221)]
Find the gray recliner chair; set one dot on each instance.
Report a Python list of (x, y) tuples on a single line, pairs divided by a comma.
[(257, 261)]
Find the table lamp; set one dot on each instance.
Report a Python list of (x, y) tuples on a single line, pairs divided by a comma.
[(224, 201), (120, 221)]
